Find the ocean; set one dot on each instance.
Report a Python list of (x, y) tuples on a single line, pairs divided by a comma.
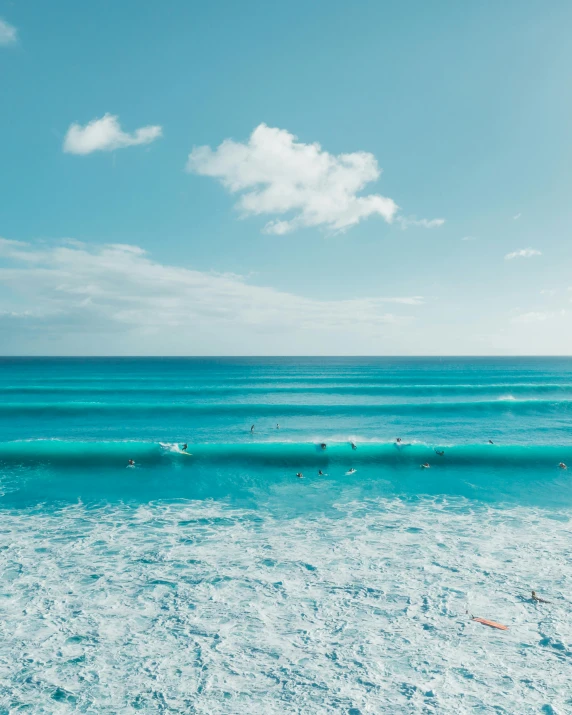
[(218, 581)]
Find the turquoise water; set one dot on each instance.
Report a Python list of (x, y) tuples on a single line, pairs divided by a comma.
[(217, 581)]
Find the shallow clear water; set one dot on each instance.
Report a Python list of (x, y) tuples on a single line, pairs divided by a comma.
[(218, 582)]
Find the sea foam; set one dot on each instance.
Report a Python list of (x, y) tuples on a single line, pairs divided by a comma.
[(203, 607)]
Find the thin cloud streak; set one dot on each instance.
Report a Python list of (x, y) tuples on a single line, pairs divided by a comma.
[(407, 222), (118, 287)]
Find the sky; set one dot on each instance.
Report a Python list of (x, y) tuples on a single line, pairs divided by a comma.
[(302, 178)]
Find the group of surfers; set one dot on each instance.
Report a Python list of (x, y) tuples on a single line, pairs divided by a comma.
[(323, 445)]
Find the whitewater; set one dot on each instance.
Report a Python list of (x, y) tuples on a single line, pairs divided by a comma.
[(219, 582)]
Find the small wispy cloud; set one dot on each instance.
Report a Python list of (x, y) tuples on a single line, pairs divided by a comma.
[(105, 134), (548, 291), (8, 33), (406, 222), (523, 253), (531, 317), (468, 238), (517, 216), (411, 300), (536, 316)]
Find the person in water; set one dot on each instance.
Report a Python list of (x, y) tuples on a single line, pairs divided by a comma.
[(300, 475), (562, 465), (538, 599), (426, 465), (353, 445), (320, 473), (398, 440), (131, 463), (252, 429), (277, 426), (490, 441), (352, 471), (184, 447), (323, 445), (440, 452)]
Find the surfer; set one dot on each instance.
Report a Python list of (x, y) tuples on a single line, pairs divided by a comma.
[(538, 599), (131, 463), (426, 466), (277, 426), (323, 445), (184, 447), (490, 441), (440, 452), (398, 440), (320, 473), (252, 429), (562, 465), (353, 445), (300, 475)]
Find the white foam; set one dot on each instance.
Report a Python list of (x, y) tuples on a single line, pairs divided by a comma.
[(171, 447), (199, 607)]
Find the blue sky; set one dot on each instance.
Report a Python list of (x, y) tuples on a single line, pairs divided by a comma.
[(163, 191)]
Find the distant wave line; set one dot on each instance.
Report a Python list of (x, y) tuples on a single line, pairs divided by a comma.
[(235, 390), (381, 380), (10, 410)]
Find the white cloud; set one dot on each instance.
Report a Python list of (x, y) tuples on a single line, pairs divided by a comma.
[(406, 222), (517, 216), (8, 33), (276, 174), (119, 288), (468, 238), (523, 253), (548, 291), (105, 134)]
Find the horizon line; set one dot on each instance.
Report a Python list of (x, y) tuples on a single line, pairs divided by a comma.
[(269, 357)]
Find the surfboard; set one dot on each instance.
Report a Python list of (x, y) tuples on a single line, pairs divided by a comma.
[(492, 624)]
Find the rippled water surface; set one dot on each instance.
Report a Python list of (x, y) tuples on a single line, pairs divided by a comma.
[(219, 582)]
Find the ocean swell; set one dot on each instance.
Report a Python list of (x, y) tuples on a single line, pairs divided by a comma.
[(69, 453)]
